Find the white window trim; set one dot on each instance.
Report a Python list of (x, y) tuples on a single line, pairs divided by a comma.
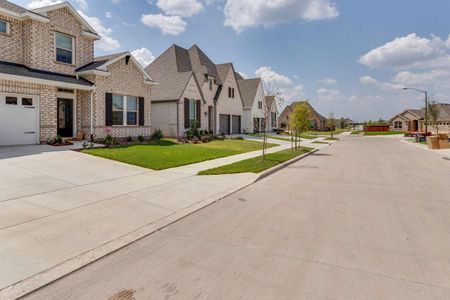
[(125, 110), (8, 27), (72, 50)]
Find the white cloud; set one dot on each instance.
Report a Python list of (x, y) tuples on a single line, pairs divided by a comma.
[(240, 14), (270, 76), (411, 51), (245, 76), (143, 56), (381, 85), (173, 25), (329, 81), (183, 8), (108, 15), (107, 42)]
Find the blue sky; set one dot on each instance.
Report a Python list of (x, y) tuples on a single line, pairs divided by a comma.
[(350, 57)]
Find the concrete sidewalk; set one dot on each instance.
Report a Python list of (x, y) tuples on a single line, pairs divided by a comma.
[(60, 210)]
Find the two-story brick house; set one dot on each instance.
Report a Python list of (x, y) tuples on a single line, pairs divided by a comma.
[(51, 84)]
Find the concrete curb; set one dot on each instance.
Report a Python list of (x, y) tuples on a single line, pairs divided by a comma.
[(48, 276), (277, 168)]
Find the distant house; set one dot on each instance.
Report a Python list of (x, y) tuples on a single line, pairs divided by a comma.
[(193, 89), (254, 105), (413, 120), (272, 105), (318, 122)]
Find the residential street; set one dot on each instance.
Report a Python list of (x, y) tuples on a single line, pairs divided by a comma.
[(367, 218)]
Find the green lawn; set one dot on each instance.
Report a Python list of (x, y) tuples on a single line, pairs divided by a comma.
[(315, 132), (256, 164), (372, 133), (357, 132), (319, 142), (331, 139), (168, 154), (303, 136)]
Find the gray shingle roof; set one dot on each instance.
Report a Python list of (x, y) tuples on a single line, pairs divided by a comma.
[(222, 70), (99, 61), (418, 112), (174, 67), (21, 70), (313, 111), (248, 88), (444, 111)]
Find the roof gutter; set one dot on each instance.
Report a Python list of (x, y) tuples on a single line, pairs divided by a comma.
[(59, 84)]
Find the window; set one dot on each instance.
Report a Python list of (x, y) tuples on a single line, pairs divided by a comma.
[(210, 84), (273, 119), (192, 111), (64, 45), (230, 92), (398, 125), (118, 109), (4, 27), (27, 102), (260, 104), (132, 110), (11, 100), (124, 110)]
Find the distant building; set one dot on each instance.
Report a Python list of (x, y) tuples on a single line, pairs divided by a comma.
[(318, 122), (413, 120)]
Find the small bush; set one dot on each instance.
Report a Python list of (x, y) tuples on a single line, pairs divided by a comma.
[(140, 138), (58, 139), (108, 140), (193, 131), (195, 140), (206, 139), (129, 139), (157, 135)]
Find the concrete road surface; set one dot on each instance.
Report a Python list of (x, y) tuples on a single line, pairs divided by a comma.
[(367, 218)]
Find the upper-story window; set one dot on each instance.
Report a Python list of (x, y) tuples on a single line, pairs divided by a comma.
[(210, 84), (230, 92), (4, 27), (64, 45), (260, 105)]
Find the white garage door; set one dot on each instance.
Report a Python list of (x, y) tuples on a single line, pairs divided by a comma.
[(18, 120)]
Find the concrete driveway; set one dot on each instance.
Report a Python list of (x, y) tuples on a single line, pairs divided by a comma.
[(368, 218), (63, 209)]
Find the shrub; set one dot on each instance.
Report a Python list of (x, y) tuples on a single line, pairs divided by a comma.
[(157, 135), (193, 131), (206, 139), (58, 139), (140, 138), (108, 140), (129, 139), (195, 140)]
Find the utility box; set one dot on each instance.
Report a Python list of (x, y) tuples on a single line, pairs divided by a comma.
[(433, 142)]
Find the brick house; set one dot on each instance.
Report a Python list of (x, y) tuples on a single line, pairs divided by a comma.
[(51, 84), (413, 120), (318, 122), (191, 88)]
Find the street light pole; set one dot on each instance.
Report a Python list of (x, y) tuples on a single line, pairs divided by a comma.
[(426, 106)]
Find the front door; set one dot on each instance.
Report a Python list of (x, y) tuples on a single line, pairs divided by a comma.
[(65, 117)]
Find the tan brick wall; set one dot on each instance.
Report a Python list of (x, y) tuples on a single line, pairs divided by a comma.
[(41, 50), (47, 103), (11, 44), (124, 80), (33, 43)]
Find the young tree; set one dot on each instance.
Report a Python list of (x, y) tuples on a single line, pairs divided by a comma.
[(434, 115), (331, 123), (270, 90), (300, 121)]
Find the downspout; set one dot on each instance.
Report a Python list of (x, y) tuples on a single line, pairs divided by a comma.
[(92, 114), (178, 118)]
